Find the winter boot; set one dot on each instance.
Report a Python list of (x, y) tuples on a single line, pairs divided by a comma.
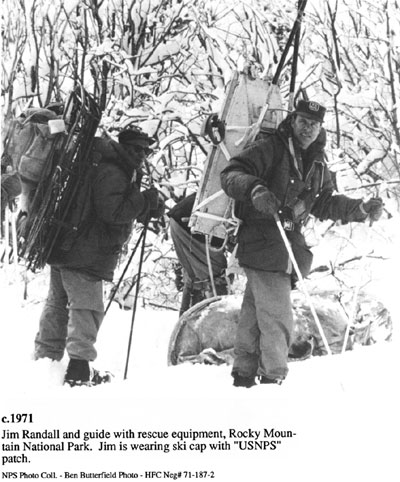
[(186, 299), (190, 296), (80, 374), (241, 381), (221, 286), (179, 282), (197, 296), (266, 380)]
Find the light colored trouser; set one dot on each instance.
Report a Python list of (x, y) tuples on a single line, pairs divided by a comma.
[(192, 255), (265, 326), (71, 317)]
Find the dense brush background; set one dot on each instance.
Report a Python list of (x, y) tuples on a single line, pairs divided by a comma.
[(165, 65)]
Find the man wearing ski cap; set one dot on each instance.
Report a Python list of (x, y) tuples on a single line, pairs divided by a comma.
[(311, 110), (137, 139), (108, 203), (280, 174)]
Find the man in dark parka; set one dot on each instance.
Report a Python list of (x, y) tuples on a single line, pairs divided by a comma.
[(285, 174), (108, 205)]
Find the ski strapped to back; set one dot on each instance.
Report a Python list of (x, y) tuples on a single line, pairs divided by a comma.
[(60, 180)]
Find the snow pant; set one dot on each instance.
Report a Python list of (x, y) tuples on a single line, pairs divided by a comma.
[(192, 256), (71, 317), (265, 326)]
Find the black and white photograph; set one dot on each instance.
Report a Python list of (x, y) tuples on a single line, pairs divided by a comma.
[(200, 240)]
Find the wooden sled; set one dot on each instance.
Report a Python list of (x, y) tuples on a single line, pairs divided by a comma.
[(251, 106)]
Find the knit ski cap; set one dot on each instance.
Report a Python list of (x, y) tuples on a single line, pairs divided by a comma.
[(311, 110), (135, 136)]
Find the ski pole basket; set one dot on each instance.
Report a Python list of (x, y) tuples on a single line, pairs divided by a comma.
[(60, 179)]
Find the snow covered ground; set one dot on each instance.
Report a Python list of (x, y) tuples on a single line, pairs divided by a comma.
[(343, 409)]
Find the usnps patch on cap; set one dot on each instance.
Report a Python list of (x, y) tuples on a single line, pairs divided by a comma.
[(310, 109)]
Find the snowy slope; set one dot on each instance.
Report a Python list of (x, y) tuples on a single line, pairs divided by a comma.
[(343, 408)]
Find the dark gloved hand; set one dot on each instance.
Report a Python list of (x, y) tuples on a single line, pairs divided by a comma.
[(159, 210), (155, 205), (151, 196), (374, 208), (10, 187), (264, 200)]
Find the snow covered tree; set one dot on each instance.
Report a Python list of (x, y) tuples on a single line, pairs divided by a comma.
[(165, 65)]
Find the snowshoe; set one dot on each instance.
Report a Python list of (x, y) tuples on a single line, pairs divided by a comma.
[(266, 380), (80, 374), (95, 378)]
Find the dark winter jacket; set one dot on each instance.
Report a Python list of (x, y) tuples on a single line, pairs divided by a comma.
[(106, 208), (303, 186)]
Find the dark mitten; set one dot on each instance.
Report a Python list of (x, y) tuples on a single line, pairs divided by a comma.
[(10, 187), (155, 205), (373, 207), (151, 201), (264, 200), (151, 196), (159, 210)]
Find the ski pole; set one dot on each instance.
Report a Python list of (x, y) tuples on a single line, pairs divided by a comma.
[(14, 241), (351, 317), (7, 236), (294, 65), (209, 265), (296, 26), (353, 312), (124, 272), (302, 283), (136, 297)]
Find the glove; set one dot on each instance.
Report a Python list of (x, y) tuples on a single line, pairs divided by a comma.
[(373, 207), (155, 204), (158, 211), (10, 187), (151, 196), (264, 200)]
